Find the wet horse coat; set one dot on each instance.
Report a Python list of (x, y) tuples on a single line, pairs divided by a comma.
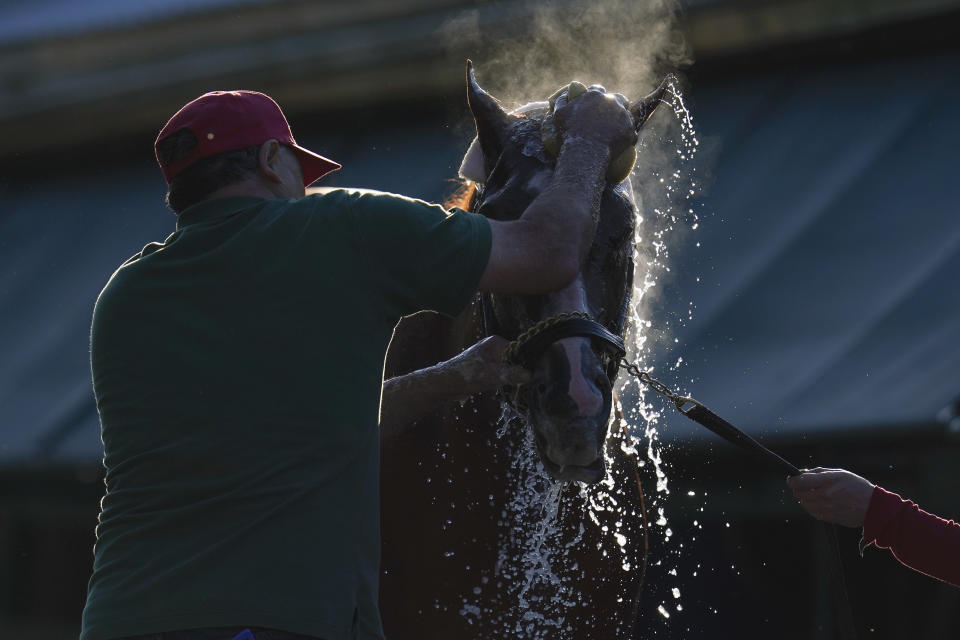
[(479, 539)]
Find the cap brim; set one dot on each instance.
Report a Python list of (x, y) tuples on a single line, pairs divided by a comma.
[(314, 166)]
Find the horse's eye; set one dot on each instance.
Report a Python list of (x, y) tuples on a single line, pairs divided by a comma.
[(620, 239)]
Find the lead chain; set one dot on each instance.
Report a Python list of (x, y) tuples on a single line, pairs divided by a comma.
[(513, 349), (654, 384)]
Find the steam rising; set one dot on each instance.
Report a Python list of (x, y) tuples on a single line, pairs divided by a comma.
[(525, 51), (625, 45)]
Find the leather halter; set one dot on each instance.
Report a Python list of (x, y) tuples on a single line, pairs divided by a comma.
[(531, 344)]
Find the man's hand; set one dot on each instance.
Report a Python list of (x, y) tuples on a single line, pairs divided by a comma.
[(545, 249), (482, 367), (596, 115), (833, 495), (476, 369)]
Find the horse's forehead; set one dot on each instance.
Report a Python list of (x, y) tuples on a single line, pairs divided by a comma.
[(525, 139), (524, 136), (538, 181)]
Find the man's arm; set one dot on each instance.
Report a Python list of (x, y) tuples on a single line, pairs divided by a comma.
[(544, 249), (479, 368)]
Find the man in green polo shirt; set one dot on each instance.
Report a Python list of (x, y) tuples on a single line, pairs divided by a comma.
[(237, 369)]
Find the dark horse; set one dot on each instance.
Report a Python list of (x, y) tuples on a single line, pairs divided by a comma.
[(481, 536)]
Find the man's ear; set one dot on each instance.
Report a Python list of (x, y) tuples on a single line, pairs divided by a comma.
[(268, 160)]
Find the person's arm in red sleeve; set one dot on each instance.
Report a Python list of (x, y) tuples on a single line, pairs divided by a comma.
[(918, 539)]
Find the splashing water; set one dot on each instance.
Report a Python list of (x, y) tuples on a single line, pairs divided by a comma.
[(666, 191), (531, 524), (536, 569)]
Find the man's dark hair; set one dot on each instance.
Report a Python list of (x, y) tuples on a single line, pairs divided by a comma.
[(194, 183)]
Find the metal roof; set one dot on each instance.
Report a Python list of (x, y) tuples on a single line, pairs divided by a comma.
[(26, 21), (118, 66)]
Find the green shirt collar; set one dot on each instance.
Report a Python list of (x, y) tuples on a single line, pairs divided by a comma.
[(207, 210)]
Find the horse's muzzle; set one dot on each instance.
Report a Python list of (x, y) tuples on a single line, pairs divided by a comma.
[(588, 474)]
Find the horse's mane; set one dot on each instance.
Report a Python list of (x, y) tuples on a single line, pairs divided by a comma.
[(462, 196)]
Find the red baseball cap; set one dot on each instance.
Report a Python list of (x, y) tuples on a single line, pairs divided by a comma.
[(230, 120)]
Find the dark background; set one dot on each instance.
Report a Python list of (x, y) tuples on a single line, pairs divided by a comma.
[(825, 285)]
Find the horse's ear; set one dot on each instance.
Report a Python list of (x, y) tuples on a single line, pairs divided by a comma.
[(643, 108), (493, 123)]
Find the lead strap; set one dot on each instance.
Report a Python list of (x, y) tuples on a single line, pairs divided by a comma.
[(703, 416)]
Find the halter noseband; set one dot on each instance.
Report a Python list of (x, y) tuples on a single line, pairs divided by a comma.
[(530, 345)]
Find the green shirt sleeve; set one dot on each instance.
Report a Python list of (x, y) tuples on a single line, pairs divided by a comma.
[(423, 257)]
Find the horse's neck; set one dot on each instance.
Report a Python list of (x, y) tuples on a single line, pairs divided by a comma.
[(454, 436)]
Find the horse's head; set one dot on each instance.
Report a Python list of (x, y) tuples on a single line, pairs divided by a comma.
[(568, 401)]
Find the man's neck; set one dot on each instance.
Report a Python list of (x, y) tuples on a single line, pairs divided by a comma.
[(253, 188)]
